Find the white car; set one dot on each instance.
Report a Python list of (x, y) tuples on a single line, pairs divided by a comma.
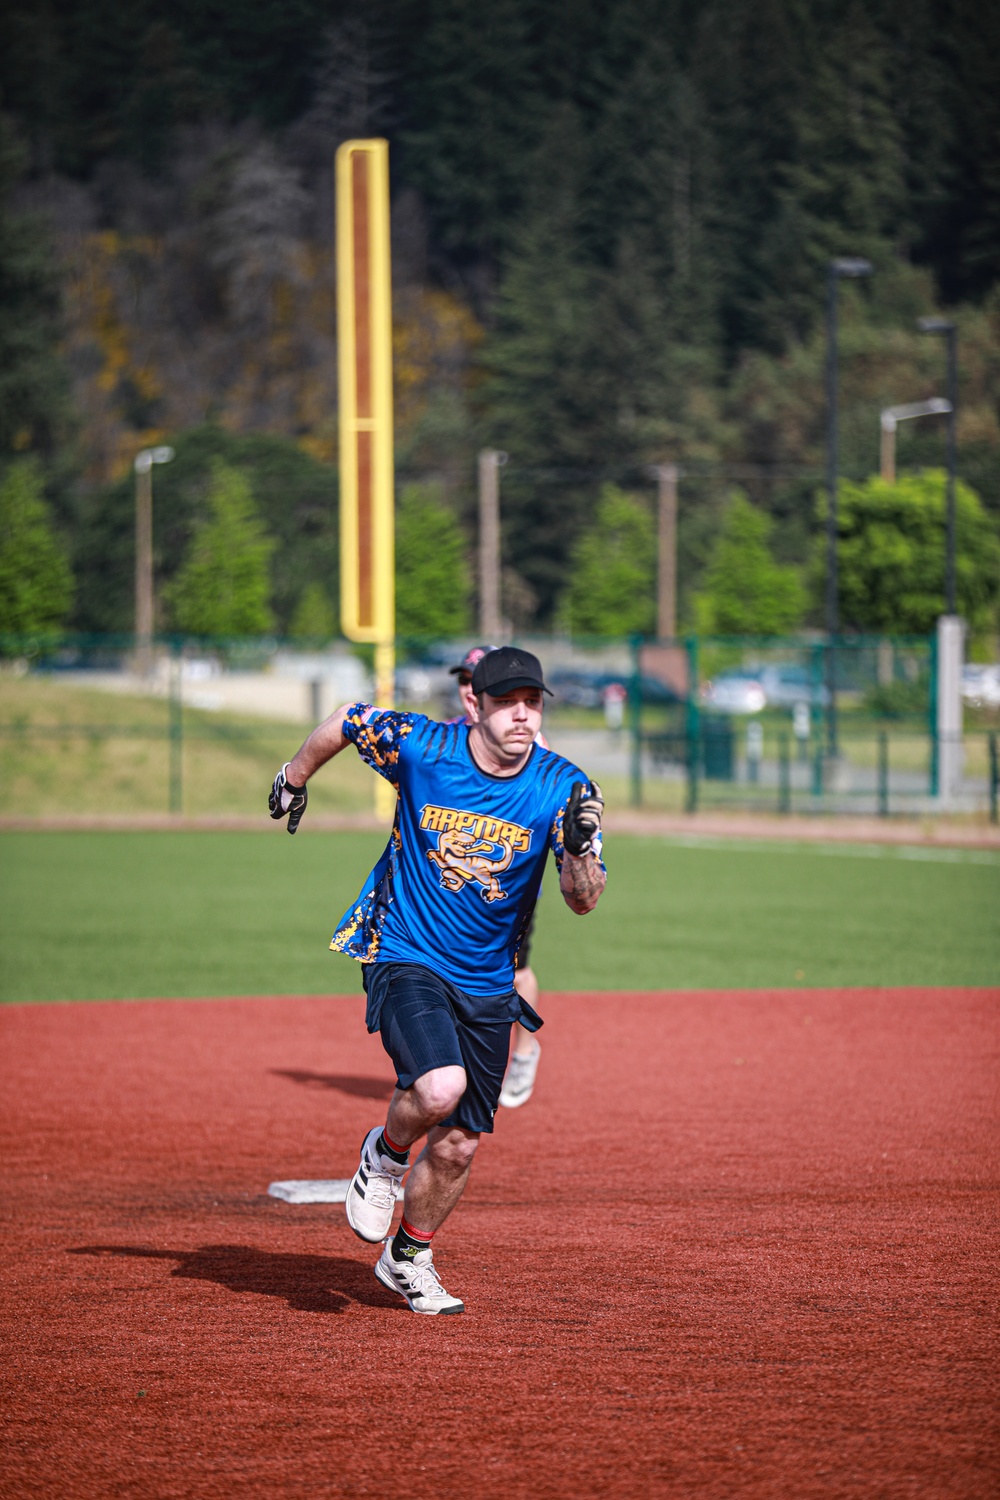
[(787, 683), (734, 693), (981, 685)]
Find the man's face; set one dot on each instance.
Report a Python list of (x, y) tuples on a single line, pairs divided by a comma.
[(509, 723)]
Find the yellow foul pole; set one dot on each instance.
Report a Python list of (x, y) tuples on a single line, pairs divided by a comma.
[(364, 323)]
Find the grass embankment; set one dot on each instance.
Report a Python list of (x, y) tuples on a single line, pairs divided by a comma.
[(67, 749), (70, 750), (92, 915)]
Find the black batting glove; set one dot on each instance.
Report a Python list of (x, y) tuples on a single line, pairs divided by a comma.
[(286, 798), (582, 818)]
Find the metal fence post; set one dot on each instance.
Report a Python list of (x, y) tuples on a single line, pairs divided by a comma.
[(994, 780), (818, 674), (883, 774), (635, 721), (932, 717), (784, 775), (693, 724), (817, 769), (176, 728)]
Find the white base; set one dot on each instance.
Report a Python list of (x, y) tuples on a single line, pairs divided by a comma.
[(331, 1191)]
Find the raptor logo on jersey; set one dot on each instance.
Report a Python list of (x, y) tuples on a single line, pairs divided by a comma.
[(473, 848)]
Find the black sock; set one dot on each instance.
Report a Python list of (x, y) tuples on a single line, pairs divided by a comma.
[(408, 1242), (393, 1152)]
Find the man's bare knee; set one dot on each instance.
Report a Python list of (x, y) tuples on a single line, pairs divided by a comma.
[(439, 1091), (452, 1147)]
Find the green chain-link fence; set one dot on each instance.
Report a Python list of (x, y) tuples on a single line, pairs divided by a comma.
[(93, 725)]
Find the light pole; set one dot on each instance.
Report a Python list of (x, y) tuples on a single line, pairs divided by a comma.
[(946, 327), (852, 267), (891, 417), (950, 642), (144, 461)]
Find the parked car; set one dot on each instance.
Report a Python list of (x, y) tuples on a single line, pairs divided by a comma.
[(419, 683), (981, 685), (735, 692), (577, 688), (584, 689), (788, 683)]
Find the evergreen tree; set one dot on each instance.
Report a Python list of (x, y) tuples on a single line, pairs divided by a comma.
[(476, 114), (36, 585), (651, 183), (547, 398), (313, 619), (294, 494), (751, 64), (432, 570), (612, 570), (891, 555), (34, 402), (746, 592), (843, 190), (963, 213), (223, 588)]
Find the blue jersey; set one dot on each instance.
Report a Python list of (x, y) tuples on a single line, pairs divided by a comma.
[(456, 885)]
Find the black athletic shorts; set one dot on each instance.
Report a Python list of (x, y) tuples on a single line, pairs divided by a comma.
[(426, 1022)]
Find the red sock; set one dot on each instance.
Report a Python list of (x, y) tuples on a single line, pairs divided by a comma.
[(399, 1152)]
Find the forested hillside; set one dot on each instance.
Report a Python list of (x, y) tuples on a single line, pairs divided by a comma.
[(610, 229)]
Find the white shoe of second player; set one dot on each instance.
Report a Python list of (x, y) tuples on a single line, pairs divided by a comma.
[(417, 1281), (374, 1189), (519, 1080)]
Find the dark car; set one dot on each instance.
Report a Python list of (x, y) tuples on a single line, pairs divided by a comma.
[(582, 689)]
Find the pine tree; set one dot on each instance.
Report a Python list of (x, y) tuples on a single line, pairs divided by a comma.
[(34, 400), (751, 63), (651, 184), (746, 592), (223, 588), (295, 496), (547, 397), (476, 115), (432, 571), (36, 585), (314, 620), (843, 191), (612, 570)]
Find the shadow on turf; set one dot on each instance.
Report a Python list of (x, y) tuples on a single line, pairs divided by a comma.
[(308, 1283), (362, 1088)]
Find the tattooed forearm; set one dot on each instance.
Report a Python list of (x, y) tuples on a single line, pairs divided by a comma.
[(582, 880)]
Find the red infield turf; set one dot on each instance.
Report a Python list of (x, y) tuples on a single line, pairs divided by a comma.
[(736, 1245)]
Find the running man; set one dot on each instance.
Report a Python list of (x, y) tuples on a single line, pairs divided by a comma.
[(436, 927), (519, 1080)]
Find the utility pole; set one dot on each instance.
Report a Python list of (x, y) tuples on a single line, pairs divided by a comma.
[(667, 476), (489, 543)]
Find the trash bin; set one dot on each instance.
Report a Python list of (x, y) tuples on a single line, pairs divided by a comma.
[(717, 740)]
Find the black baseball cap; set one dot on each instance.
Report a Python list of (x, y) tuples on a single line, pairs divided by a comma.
[(505, 669), (470, 661)]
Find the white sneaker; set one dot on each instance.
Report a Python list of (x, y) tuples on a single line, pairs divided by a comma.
[(519, 1080), (417, 1281), (374, 1189)]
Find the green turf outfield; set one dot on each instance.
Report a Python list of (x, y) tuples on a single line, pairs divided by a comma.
[(90, 915)]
